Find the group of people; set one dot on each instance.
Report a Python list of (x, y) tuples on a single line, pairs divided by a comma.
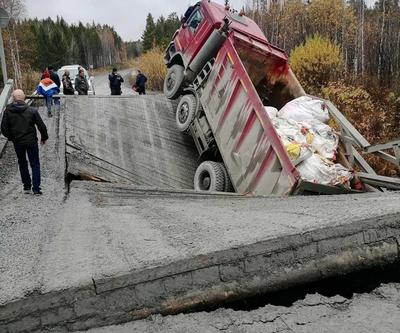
[(115, 81), (50, 85), (20, 121)]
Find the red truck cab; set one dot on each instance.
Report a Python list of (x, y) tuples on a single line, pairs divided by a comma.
[(186, 54)]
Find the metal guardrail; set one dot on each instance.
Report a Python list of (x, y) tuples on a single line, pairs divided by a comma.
[(353, 139), (5, 97)]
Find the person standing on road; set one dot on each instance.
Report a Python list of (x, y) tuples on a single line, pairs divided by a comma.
[(115, 81), (47, 88), (141, 83), (55, 78), (81, 83), (68, 88), (19, 126)]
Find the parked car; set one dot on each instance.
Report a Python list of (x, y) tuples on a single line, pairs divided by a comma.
[(73, 72)]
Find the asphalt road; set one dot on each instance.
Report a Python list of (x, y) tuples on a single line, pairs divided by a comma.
[(101, 83)]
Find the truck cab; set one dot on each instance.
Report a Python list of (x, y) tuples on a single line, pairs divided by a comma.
[(204, 28)]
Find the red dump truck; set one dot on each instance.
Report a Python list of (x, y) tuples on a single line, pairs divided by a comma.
[(225, 73)]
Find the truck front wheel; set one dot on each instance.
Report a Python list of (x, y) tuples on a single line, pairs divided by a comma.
[(209, 177), (173, 82), (185, 112)]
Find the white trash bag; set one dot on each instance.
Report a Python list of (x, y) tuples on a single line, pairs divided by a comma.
[(304, 108), (324, 140), (316, 169), (271, 111)]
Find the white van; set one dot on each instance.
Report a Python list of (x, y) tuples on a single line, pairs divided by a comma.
[(73, 72)]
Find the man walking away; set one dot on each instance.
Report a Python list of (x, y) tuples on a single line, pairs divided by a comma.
[(55, 78), (19, 126), (141, 83), (81, 84), (115, 81), (47, 88), (68, 88)]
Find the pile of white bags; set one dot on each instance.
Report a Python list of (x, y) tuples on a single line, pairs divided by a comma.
[(309, 141)]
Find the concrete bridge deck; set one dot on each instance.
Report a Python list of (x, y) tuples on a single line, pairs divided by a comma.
[(96, 254)]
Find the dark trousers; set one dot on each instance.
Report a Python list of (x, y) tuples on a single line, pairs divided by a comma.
[(141, 90), (116, 91), (33, 155)]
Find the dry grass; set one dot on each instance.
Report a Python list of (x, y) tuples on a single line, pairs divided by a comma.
[(30, 80), (152, 65)]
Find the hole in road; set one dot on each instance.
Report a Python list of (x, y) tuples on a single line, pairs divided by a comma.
[(360, 282), (346, 286)]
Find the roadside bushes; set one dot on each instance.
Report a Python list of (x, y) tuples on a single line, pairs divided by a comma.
[(316, 63), (152, 65), (29, 81)]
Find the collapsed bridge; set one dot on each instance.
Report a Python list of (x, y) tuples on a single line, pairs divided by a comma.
[(138, 241)]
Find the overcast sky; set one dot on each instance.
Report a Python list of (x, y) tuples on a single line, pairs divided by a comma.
[(127, 16)]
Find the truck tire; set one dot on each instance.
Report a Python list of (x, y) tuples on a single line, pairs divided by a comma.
[(228, 187), (185, 112), (173, 82), (209, 177)]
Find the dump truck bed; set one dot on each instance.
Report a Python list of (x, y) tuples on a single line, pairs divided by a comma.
[(251, 149)]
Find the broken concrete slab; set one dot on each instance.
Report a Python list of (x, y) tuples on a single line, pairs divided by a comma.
[(375, 312), (121, 253), (129, 139)]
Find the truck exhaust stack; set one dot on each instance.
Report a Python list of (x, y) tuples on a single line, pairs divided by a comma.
[(208, 51)]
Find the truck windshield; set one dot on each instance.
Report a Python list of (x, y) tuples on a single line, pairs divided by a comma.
[(195, 20), (274, 81)]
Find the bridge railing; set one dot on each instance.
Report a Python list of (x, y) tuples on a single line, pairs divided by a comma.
[(4, 100)]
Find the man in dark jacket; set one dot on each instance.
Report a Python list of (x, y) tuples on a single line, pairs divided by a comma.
[(19, 126), (141, 83), (81, 84), (115, 82), (68, 88)]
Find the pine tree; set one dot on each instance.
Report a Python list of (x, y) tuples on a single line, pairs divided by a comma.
[(149, 33)]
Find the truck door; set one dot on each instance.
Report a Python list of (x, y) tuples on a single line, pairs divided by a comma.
[(194, 33)]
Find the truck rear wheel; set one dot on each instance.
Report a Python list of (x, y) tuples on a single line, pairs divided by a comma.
[(209, 177), (185, 112), (173, 82), (228, 187)]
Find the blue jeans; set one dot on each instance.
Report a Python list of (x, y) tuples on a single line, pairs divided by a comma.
[(49, 103), (33, 155)]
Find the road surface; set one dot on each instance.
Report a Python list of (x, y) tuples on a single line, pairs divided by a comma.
[(101, 83)]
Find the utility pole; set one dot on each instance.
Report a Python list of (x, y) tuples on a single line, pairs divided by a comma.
[(4, 19)]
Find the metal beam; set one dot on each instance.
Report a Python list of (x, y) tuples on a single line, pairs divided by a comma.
[(389, 145), (391, 183), (347, 126), (5, 95)]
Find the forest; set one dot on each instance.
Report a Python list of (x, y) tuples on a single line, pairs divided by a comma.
[(369, 37), (32, 44)]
